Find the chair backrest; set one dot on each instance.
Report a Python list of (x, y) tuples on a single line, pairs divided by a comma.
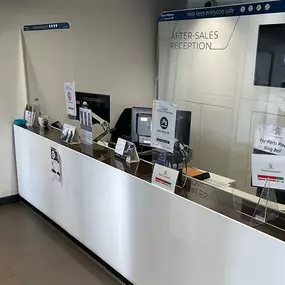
[(123, 127)]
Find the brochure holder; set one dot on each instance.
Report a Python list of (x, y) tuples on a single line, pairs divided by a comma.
[(76, 139), (127, 151), (70, 135), (168, 159), (133, 157)]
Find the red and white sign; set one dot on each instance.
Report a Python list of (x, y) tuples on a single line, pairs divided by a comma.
[(70, 99), (164, 177)]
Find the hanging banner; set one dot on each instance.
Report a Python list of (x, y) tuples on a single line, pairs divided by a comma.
[(163, 125), (268, 171), (70, 98), (270, 139)]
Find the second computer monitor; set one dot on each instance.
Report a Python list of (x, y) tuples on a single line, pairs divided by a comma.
[(183, 126), (99, 104)]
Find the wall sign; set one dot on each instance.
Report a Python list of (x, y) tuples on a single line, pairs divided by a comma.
[(163, 125), (270, 139), (49, 26)]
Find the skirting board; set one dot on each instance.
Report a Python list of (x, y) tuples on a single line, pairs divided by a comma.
[(100, 261), (9, 200)]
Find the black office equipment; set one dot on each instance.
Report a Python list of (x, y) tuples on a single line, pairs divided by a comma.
[(123, 127), (141, 126), (99, 104), (269, 66), (183, 126)]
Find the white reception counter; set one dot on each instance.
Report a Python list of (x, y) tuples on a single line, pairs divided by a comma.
[(150, 236)]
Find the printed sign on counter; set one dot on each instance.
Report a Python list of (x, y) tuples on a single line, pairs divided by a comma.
[(270, 139), (70, 99), (163, 125), (164, 177), (268, 171)]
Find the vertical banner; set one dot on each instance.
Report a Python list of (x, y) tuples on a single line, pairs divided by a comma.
[(85, 116), (163, 125), (70, 99)]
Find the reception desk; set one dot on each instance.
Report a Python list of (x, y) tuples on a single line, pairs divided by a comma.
[(147, 234)]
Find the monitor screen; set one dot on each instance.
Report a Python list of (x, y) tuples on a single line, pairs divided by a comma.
[(141, 125), (99, 104), (270, 56), (183, 126)]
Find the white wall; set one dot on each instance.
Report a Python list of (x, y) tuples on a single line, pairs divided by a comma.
[(218, 87), (113, 52)]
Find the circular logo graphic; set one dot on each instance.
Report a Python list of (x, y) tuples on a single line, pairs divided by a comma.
[(267, 7), (258, 8), (164, 123), (69, 96), (250, 8), (53, 156), (242, 9)]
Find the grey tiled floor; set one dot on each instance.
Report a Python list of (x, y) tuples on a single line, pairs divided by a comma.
[(33, 253)]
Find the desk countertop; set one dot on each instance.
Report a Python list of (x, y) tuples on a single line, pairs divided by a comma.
[(219, 200)]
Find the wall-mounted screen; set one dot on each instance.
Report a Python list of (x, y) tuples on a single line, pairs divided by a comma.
[(270, 57)]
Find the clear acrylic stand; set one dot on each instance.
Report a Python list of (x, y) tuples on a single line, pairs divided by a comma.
[(257, 210), (266, 209), (159, 157)]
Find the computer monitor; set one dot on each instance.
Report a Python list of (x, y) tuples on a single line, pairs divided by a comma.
[(99, 104), (183, 126), (141, 126)]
